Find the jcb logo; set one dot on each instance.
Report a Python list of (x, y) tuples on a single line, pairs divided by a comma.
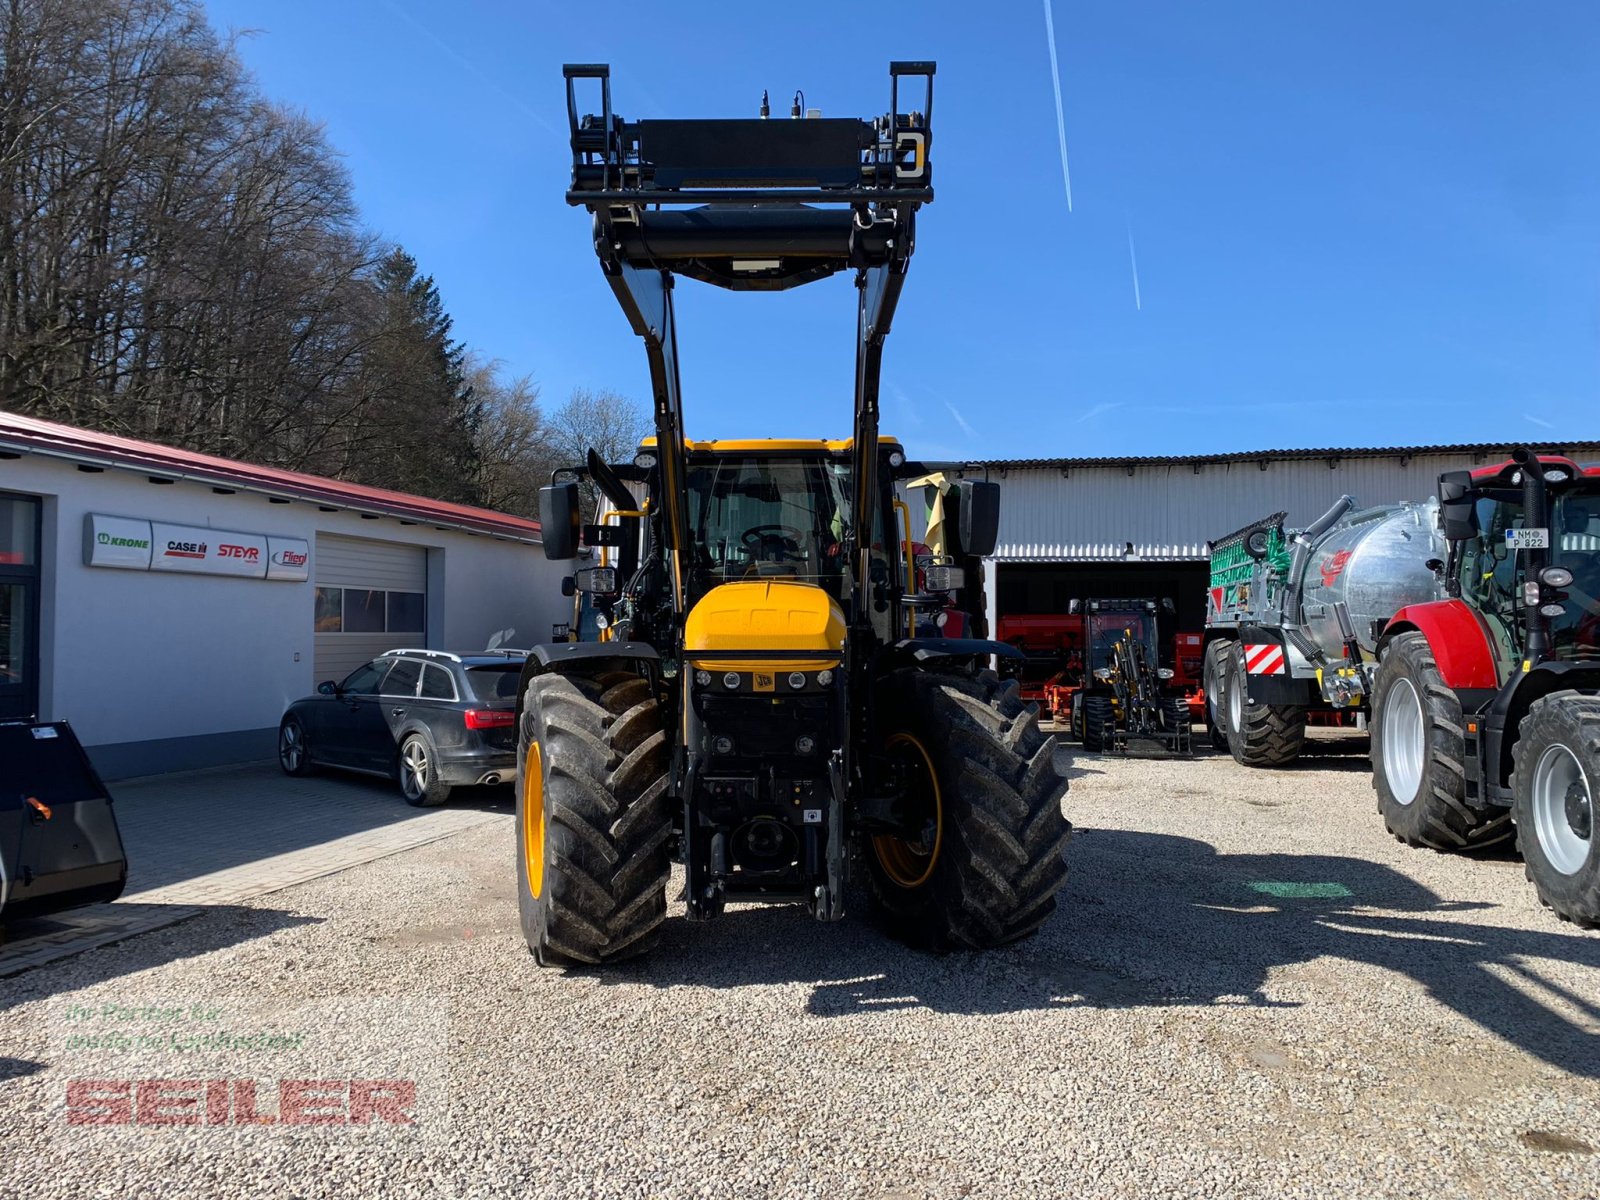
[(763, 681)]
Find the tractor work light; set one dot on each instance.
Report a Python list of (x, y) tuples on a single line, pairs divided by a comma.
[(797, 680), (824, 677), (644, 461), (1553, 610), (944, 579), (1530, 594), (599, 581), (1556, 577), (731, 681)]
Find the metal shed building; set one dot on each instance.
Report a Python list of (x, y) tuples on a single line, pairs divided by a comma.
[(1074, 528)]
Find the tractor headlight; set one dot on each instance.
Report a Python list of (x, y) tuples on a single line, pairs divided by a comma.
[(731, 681), (723, 744), (797, 680), (1553, 610), (703, 678), (804, 744), (1164, 672), (824, 677), (1530, 594), (1556, 577), (1102, 673)]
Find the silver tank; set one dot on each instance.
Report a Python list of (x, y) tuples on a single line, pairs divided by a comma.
[(1376, 562)]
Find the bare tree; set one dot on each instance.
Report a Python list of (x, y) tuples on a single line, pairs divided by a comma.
[(608, 422), (513, 458)]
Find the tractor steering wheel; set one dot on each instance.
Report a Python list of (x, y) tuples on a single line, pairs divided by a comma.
[(784, 539)]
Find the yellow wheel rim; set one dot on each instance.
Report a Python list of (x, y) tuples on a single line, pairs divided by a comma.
[(533, 819), (910, 864)]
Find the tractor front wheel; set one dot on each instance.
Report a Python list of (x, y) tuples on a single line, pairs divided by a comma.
[(1099, 724), (592, 818), (983, 865), (1419, 754), (1555, 790)]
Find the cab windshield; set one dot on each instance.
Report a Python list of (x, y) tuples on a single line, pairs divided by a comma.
[(760, 517), (1491, 577), (1106, 630)]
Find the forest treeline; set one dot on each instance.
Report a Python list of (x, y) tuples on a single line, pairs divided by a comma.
[(181, 259)]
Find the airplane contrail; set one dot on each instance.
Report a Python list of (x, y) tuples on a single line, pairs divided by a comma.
[(1133, 262), (1061, 120)]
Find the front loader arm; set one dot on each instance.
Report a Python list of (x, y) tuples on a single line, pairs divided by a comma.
[(775, 204)]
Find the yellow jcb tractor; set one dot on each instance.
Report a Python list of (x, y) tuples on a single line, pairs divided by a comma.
[(758, 706)]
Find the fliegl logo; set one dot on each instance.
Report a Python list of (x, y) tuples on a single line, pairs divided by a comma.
[(185, 550), (289, 558)]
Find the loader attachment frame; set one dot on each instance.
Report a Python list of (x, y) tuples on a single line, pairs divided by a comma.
[(753, 205)]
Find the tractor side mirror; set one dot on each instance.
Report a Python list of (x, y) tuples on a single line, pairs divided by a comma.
[(1458, 513), (979, 519), (559, 516)]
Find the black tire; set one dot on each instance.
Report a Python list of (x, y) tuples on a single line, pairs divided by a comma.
[(594, 801), (1175, 716), (1258, 735), (1555, 790), (417, 772), (1419, 754), (297, 764), (996, 865), (1215, 672), (1099, 724)]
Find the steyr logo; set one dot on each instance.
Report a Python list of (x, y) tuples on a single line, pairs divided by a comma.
[(247, 553)]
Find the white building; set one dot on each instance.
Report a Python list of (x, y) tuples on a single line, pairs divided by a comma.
[(1076, 528), (170, 605)]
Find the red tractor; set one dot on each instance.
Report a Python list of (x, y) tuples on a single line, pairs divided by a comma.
[(1486, 703)]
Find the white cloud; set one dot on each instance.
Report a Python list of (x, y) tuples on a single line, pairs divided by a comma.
[(1539, 421), (960, 420), (1098, 410)]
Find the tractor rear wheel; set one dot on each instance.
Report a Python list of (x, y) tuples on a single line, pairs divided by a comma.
[(1099, 724), (1258, 735), (985, 868), (1419, 754), (1215, 670), (592, 818), (1555, 790)]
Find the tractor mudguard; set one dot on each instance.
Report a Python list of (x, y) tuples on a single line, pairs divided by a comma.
[(554, 656), (1457, 638)]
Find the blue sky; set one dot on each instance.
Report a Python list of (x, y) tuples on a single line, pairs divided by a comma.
[(1354, 224)]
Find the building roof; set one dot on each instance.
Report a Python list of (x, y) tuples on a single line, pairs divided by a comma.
[(1335, 452), (27, 435)]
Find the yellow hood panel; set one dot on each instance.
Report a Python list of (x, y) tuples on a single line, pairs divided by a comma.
[(764, 615)]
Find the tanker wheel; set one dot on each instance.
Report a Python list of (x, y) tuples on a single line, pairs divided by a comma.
[(592, 818), (1258, 735), (1419, 754), (1099, 724), (1215, 672), (984, 864), (1555, 791)]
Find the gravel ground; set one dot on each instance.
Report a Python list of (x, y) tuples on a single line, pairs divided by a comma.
[(1249, 990)]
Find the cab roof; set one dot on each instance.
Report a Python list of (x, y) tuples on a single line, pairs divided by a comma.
[(1507, 473)]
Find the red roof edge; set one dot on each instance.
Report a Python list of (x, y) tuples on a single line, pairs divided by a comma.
[(31, 435)]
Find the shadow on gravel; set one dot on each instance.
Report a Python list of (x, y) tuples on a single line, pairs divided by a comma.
[(1156, 921), (216, 927)]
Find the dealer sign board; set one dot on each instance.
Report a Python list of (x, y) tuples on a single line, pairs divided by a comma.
[(158, 546)]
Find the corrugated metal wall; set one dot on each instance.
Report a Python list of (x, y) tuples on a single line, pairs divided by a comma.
[(1171, 511)]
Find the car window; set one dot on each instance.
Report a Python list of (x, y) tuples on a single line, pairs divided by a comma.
[(364, 680), (498, 682), (402, 680), (437, 684)]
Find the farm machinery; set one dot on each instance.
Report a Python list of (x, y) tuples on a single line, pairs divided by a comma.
[(1468, 628), (765, 704)]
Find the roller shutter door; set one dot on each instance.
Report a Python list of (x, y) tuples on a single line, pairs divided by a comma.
[(371, 597)]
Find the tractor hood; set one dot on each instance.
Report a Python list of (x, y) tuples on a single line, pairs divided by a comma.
[(774, 615)]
